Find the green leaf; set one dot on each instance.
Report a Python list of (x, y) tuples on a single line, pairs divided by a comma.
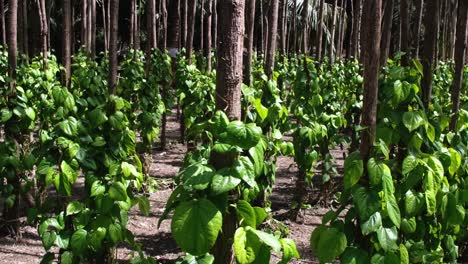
[(393, 210), (195, 226), (260, 215), (261, 110), (367, 202), (74, 208), (199, 181), (30, 113), (79, 242), (68, 171), (418, 66), (118, 192), (115, 233), (143, 204), (244, 250), (247, 213), (387, 238), (412, 120), (267, 239), (331, 244), (354, 169), (376, 171), (242, 135), (257, 155), (223, 183), (455, 163), (289, 250), (97, 188), (66, 257), (354, 255), (404, 255), (48, 239), (372, 224), (408, 226), (409, 164), (5, 114)]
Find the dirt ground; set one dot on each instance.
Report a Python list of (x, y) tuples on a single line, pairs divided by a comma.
[(159, 243)]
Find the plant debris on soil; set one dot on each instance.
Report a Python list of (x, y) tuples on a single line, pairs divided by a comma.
[(158, 242)]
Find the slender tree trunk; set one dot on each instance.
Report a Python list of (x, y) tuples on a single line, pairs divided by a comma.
[(2, 21), (44, 30), (164, 25), (93, 29), (332, 35), (452, 33), (341, 28), (444, 37), (318, 53), (431, 25), (282, 30), (265, 29), (356, 28), (260, 34), (202, 14), (173, 41), (272, 39), (104, 25), (84, 23), (183, 26), (137, 26), (67, 31), (386, 31), (248, 40), (108, 24), (192, 9), (113, 45), (371, 47), (460, 50), (89, 26), (228, 91), (24, 4), (214, 26), (419, 10), (404, 27), (294, 35), (132, 24), (11, 215), (207, 29)]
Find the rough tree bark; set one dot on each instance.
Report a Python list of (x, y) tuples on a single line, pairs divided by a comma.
[(207, 34), (192, 9), (332, 35), (431, 25), (104, 23), (44, 30), (2, 21), (183, 26), (386, 31), (164, 25), (202, 15), (228, 96), (248, 40), (371, 48), (132, 24), (173, 41), (460, 50), (272, 39), (84, 23), (214, 26), (67, 31), (293, 39), (419, 10), (318, 53), (113, 44), (93, 25), (356, 28)]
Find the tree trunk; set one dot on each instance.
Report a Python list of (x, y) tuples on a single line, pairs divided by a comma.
[(228, 91), (202, 14), (93, 29), (318, 53), (332, 35), (341, 28), (108, 24), (214, 26), (248, 40), (294, 35), (84, 23), (386, 31), (44, 30), (419, 10), (207, 29), (371, 47), (104, 23), (24, 4), (282, 29), (173, 41), (164, 25), (113, 45), (404, 27), (452, 33), (2, 21), (192, 9), (132, 24), (460, 50), (272, 39), (11, 215), (431, 25), (67, 31), (183, 28), (356, 28)]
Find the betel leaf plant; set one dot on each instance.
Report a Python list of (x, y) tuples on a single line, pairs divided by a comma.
[(86, 137), (408, 203), (211, 193)]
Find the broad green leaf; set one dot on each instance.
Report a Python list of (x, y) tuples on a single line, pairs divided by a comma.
[(372, 224), (115, 233), (393, 210), (408, 226), (242, 135), (404, 255), (261, 110), (48, 239), (366, 202), (195, 226), (247, 213), (409, 164), (30, 113), (97, 188), (118, 192), (143, 204), (332, 243), (74, 208), (79, 242), (260, 215), (267, 239), (455, 163), (244, 251), (412, 120), (376, 171), (354, 255), (388, 238), (223, 183), (5, 115), (289, 250), (66, 257), (354, 169)]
